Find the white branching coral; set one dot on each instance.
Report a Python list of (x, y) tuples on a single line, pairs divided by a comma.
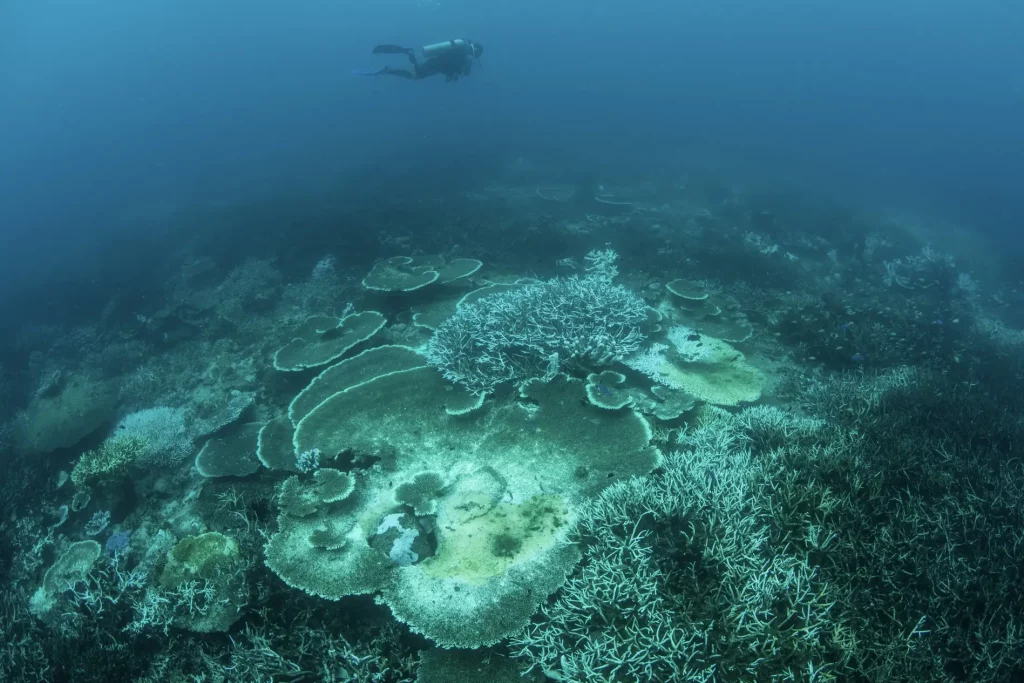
[(635, 611), (164, 431), (514, 335), (602, 264)]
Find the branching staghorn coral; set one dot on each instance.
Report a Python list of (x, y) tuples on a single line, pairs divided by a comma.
[(684, 578), (513, 336)]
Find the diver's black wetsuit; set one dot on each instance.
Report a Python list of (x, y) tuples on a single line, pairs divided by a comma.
[(453, 58)]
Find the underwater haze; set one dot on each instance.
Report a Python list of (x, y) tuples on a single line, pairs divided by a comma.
[(421, 341), (110, 109)]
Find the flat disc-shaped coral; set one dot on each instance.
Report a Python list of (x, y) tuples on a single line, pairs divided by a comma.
[(430, 316), (300, 497), (333, 485), (462, 401), (613, 205), (488, 583), (694, 312), (654, 320), (557, 193), (327, 537), (232, 455), (495, 562), (402, 415), (316, 325), (488, 290), (422, 493), (353, 568), (274, 446), (693, 290), (359, 368), (296, 498), (664, 404), (458, 269), (517, 468), (671, 404), (399, 274), (473, 495), (211, 413), (454, 613), (484, 546), (721, 375), (317, 344), (606, 390), (431, 261), (688, 311), (732, 329), (398, 412), (724, 302), (300, 554), (601, 446)]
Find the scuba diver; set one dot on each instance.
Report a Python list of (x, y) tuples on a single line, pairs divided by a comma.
[(453, 58)]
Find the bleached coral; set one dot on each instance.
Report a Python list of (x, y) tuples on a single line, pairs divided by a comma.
[(164, 431), (512, 336), (602, 264)]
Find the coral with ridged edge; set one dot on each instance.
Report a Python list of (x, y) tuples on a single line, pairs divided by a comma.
[(362, 367), (516, 469), (399, 274), (274, 447), (550, 432), (321, 340), (231, 455), (606, 390), (704, 367)]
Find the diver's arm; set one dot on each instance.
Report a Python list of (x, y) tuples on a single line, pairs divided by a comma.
[(457, 67)]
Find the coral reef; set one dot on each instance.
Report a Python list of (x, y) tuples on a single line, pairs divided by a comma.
[(672, 432), (531, 331)]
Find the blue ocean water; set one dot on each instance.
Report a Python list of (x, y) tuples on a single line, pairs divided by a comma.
[(672, 341), (108, 109)]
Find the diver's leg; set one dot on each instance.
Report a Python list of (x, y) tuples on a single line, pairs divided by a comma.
[(392, 50), (401, 73), (387, 71)]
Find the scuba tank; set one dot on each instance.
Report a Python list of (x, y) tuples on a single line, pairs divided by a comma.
[(448, 46)]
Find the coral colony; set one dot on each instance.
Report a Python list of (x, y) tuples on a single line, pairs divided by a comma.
[(652, 437)]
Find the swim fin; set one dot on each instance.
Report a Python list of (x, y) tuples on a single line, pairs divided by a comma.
[(392, 50), (360, 72)]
